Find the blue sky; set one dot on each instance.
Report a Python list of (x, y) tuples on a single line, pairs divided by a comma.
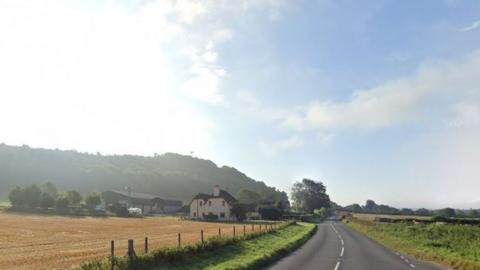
[(378, 99)]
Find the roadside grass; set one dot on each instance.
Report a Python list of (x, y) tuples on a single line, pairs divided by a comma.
[(455, 246), (252, 251)]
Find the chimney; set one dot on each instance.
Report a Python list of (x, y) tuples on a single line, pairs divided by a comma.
[(216, 191)]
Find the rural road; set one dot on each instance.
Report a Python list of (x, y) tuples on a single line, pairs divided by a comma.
[(337, 247)]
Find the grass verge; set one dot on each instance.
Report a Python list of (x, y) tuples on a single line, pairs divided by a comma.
[(455, 246), (250, 252)]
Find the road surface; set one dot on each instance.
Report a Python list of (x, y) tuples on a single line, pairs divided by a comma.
[(337, 247)]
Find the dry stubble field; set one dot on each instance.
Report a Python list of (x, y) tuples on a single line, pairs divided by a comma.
[(46, 242)]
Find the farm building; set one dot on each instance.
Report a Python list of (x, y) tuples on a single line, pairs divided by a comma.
[(149, 203), (214, 206)]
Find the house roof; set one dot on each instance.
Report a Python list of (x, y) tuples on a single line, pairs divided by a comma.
[(223, 194)]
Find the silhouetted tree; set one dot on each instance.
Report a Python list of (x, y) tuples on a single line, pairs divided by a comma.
[(17, 197), (309, 195), (32, 196)]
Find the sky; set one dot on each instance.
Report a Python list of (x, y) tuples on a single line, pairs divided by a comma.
[(377, 99)]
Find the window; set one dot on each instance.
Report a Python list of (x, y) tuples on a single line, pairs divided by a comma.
[(222, 215), (194, 214), (201, 203), (209, 203), (223, 203)]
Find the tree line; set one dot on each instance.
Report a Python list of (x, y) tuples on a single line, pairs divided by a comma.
[(374, 208), (46, 196)]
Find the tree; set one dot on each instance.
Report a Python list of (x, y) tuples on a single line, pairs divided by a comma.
[(356, 208), (74, 197), (422, 212), (17, 196), (370, 206), (61, 202), (446, 212), (269, 212), (239, 211), (92, 200), (47, 201), (309, 195), (473, 213), (407, 212), (32, 196), (50, 189)]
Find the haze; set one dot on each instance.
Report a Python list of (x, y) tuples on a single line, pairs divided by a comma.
[(378, 99)]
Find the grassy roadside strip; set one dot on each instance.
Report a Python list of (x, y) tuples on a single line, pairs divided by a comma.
[(453, 246), (245, 252)]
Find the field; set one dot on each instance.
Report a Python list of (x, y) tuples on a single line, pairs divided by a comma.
[(456, 246), (371, 217), (47, 242)]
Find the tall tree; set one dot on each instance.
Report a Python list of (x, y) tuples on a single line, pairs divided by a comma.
[(74, 197), (17, 197), (32, 196), (50, 189), (309, 195)]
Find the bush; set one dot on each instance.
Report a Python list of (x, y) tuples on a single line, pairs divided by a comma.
[(270, 212), (32, 196)]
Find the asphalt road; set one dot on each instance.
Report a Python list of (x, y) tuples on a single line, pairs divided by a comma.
[(337, 247)]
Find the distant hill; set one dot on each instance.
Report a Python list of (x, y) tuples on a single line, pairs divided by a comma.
[(170, 175)]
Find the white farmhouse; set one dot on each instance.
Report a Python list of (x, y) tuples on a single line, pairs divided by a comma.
[(216, 205)]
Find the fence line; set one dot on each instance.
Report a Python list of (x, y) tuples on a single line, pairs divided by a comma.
[(131, 254)]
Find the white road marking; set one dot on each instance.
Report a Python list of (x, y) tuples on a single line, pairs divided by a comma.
[(337, 266), (405, 260)]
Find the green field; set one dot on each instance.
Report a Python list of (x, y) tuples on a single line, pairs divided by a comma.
[(245, 252), (456, 246)]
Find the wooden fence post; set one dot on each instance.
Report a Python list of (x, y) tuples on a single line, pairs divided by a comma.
[(131, 250), (233, 231), (244, 230), (179, 240), (219, 232), (146, 244), (112, 254), (201, 235)]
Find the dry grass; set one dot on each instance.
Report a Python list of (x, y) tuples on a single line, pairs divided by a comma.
[(47, 242)]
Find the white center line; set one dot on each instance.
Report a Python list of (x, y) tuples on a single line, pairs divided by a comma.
[(337, 265), (342, 252)]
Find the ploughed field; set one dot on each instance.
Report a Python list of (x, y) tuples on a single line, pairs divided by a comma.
[(54, 242)]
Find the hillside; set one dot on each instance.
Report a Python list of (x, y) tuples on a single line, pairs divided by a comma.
[(170, 175)]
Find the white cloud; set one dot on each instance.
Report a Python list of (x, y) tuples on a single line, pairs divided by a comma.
[(394, 102), (471, 27), (274, 147)]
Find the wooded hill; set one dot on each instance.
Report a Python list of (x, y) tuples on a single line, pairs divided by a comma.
[(169, 175)]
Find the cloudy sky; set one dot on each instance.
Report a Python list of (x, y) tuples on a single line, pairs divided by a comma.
[(378, 99)]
